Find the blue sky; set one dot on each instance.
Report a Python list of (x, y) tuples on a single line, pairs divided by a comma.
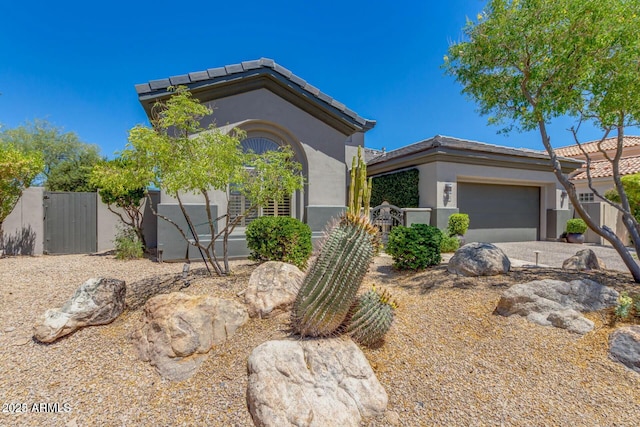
[(76, 63)]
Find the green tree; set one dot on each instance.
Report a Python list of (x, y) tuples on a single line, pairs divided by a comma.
[(186, 158), (631, 184), (67, 160), (526, 62), (17, 169), (123, 186)]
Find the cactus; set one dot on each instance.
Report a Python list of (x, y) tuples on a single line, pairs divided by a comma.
[(329, 289), (332, 282), (370, 317), (360, 189)]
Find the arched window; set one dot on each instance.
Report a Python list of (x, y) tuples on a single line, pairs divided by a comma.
[(238, 203)]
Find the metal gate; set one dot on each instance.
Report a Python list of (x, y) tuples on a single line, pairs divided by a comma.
[(70, 223), (385, 217)]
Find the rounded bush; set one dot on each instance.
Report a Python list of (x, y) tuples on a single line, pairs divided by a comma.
[(458, 224), (127, 245), (576, 226), (414, 248), (449, 244), (280, 238)]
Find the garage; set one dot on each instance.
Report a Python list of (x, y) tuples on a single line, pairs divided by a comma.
[(500, 213)]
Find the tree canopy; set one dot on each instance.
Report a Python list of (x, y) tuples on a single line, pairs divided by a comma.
[(67, 160), (527, 62), (17, 169)]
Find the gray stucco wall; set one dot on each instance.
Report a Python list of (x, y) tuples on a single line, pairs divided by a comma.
[(24, 227), (323, 145)]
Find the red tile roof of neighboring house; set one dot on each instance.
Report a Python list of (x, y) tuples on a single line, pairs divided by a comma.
[(603, 168), (592, 147)]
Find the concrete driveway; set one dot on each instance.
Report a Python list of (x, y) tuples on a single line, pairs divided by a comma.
[(552, 254)]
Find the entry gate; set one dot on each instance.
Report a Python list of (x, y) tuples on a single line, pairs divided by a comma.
[(385, 217), (70, 223)]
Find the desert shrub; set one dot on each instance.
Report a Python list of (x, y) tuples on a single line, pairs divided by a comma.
[(458, 224), (449, 243), (576, 225), (628, 307), (279, 238), (414, 248), (128, 246)]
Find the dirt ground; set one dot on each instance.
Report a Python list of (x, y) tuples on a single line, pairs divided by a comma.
[(448, 359)]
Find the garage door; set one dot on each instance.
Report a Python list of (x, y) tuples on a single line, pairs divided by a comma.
[(500, 213)]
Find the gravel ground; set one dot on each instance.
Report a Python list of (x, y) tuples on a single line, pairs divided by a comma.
[(552, 254), (448, 359)]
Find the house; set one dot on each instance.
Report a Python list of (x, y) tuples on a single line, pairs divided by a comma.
[(510, 194), (601, 171), (275, 107), (601, 168)]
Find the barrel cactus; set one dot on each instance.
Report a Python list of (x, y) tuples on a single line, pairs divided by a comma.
[(332, 282), (370, 317)]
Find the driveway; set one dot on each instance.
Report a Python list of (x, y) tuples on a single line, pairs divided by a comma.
[(552, 254)]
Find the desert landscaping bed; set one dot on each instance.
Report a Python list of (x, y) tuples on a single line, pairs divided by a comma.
[(448, 360)]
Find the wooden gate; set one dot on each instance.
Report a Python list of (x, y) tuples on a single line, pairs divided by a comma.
[(70, 223), (385, 217)]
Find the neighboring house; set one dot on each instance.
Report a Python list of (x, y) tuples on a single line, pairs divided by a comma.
[(601, 168), (601, 171), (509, 194), (275, 107)]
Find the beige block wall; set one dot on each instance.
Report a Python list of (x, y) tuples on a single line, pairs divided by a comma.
[(27, 216)]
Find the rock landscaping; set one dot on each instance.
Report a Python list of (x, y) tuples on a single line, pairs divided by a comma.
[(178, 330), (316, 382), (479, 259), (273, 287), (557, 303), (584, 259), (447, 359), (97, 301), (624, 347)]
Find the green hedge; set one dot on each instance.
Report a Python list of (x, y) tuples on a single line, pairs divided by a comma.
[(458, 224), (279, 238), (399, 189), (414, 248)]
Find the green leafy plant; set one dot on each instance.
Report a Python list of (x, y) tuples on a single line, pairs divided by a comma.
[(371, 317), (449, 243), (280, 238), (128, 246), (576, 226), (458, 224), (414, 248), (628, 307), (399, 189)]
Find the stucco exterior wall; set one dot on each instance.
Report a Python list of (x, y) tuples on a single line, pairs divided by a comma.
[(24, 227), (324, 146), (435, 176)]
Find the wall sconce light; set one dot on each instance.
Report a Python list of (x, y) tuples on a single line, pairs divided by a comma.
[(448, 188), (563, 194)]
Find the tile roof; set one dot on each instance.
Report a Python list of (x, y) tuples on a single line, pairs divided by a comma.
[(259, 66), (603, 168), (592, 147), (462, 144)]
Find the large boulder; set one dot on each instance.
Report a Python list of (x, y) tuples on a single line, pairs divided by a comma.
[(557, 303), (479, 259), (273, 287), (584, 259), (97, 301), (320, 382), (624, 346), (177, 331)]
